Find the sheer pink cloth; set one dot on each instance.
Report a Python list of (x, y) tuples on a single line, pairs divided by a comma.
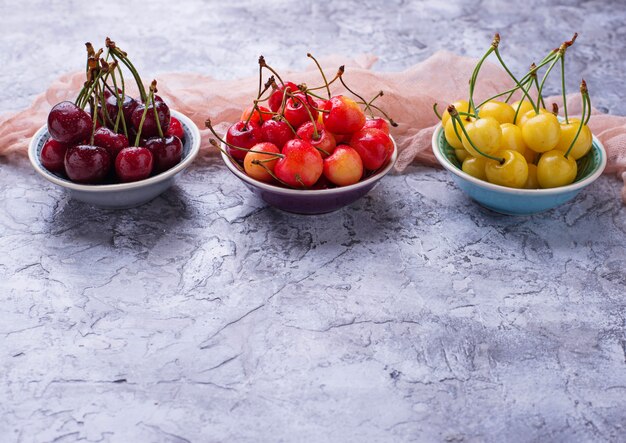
[(409, 96)]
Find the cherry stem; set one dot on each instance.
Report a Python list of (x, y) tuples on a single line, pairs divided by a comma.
[(363, 101), (563, 89), (437, 112), (207, 123), (457, 120), (586, 111), (517, 82), (316, 135), (339, 73), (120, 106), (153, 90), (231, 158), (545, 77), (261, 163), (263, 64), (475, 75), (389, 119), (519, 106), (124, 59), (321, 72), (143, 118)]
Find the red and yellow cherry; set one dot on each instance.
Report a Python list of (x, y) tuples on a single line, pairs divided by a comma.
[(53, 155), (501, 111), (554, 169), (260, 171), (485, 134), (325, 141), (67, 123), (583, 142), (133, 163), (276, 132), (301, 166), (166, 152), (87, 164), (344, 115), (176, 128), (542, 132), (298, 110), (461, 154), (524, 107), (377, 123), (475, 166), (243, 136), (532, 182), (461, 106), (258, 115), (450, 134), (344, 166), (109, 140), (374, 146), (513, 172), (276, 99)]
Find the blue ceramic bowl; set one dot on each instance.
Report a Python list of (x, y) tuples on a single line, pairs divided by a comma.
[(310, 201), (519, 201), (120, 195)]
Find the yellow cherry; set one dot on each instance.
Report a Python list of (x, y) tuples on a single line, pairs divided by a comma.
[(524, 107), (583, 142), (503, 112), (451, 137), (485, 134), (542, 132), (527, 115), (554, 170), (461, 154), (531, 181), (513, 173), (512, 139), (461, 106), (475, 166)]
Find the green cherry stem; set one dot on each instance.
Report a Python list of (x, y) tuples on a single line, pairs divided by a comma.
[(437, 112), (584, 116), (143, 119), (153, 90), (517, 82), (454, 114), (263, 64), (321, 72), (563, 89), (230, 157), (545, 77)]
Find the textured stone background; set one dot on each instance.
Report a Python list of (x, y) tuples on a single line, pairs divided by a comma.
[(412, 315)]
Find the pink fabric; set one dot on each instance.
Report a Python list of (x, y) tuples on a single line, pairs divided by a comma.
[(409, 96)]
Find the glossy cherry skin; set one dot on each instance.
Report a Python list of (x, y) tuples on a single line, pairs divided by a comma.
[(344, 166), (277, 132), (53, 155), (276, 99), (374, 146), (299, 110), (166, 152), (67, 123), (112, 108), (176, 128), (134, 163), (377, 123), (149, 128), (109, 140), (344, 115), (258, 115), (302, 165), (259, 172), (325, 141), (87, 163), (243, 136)]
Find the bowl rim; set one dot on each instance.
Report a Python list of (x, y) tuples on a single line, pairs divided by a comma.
[(516, 191), (193, 152), (311, 192)]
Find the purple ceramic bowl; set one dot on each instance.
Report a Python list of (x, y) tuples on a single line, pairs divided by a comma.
[(310, 201)]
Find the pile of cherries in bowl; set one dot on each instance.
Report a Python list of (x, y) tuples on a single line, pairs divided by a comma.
[(301, 137), (105, 135)]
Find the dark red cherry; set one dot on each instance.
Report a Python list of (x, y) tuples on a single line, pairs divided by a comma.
[(134, 163), (276, 99), (277, 132), (53, 155), (67, 123), (149, 126), (176, 128), (167, 152), (128, 106), (296, 112), (109, 140), (243, 136), (86, 163)]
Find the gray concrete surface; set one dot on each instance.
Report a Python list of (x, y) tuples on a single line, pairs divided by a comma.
[(412, 315)]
